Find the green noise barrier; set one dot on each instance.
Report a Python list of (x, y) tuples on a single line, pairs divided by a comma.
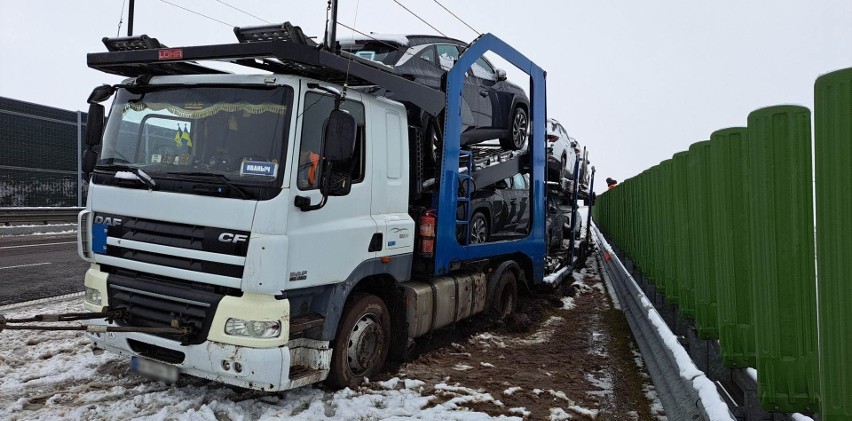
[(782, 258), (729, 154), (701, 245), (833, 157), (686, 296), (666, 206)]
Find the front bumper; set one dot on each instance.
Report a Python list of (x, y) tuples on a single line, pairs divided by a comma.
[(269, 369)]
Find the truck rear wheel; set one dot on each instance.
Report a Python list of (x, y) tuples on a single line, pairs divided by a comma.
[(505, 296), (363, 339)]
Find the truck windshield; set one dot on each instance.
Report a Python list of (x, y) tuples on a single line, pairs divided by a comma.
[(177, 132)]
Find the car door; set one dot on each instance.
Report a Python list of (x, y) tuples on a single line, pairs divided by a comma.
[(420, 63), (485, 78), (448, 55), (521, 190)]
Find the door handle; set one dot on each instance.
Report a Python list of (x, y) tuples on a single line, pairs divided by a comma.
[(484, 94)]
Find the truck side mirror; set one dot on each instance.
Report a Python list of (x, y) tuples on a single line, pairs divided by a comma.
[(338, 145), (90, 157), (95, 125), (338, 151), (94, 131), (339, 139)]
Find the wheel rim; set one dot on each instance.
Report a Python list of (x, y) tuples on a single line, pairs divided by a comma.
[(365, 344), (435, 148), (478, 231), (519, 128)]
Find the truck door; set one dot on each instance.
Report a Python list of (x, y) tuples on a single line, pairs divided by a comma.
[(389, 206), (343, 228)]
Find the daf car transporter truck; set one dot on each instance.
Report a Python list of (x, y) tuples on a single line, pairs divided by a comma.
[(279, 229)]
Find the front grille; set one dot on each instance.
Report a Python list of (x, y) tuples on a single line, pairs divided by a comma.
[(154, 301), (184, 236)]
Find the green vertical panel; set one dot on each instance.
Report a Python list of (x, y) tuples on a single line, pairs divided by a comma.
[(701, 248), (667, 205), (652, 221), (833, 157), (730, 242), (782, 256), (686, 294), (657, 227)]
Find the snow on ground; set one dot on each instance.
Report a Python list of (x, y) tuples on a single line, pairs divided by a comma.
[(54, 375)]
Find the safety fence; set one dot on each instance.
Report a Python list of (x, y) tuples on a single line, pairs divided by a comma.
[(39, 155), (726, 232)]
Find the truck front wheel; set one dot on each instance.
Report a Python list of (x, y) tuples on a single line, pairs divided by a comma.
[(363, 339)]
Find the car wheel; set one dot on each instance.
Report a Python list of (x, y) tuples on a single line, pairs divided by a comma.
[(505, 296), (517, 138), (478, 229), (434, 145), (363, 339)]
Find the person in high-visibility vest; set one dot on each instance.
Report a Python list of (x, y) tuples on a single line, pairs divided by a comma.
[(308, 168)]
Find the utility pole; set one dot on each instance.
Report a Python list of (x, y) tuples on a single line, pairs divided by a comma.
[(130, 19)]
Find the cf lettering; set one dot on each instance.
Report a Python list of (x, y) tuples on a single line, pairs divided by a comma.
[(227, 237)]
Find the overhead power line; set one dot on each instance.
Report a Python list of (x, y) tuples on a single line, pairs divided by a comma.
[(120, 19), (243, 11), (459, 19), (197, 13), (418, 17)]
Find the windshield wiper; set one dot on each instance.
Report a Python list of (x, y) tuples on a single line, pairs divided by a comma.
[(136, 173), (243, 193)]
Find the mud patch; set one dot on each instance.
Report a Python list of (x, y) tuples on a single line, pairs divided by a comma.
[(550, 361)]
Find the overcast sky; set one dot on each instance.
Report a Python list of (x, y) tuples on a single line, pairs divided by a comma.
[(634, 81)]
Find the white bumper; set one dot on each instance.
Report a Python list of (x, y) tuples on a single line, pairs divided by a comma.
[(262, 368)]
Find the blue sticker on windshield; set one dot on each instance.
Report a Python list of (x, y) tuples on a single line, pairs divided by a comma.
[(259, 168)]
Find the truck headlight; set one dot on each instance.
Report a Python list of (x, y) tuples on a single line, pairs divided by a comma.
[(93, 296), (253, 328)]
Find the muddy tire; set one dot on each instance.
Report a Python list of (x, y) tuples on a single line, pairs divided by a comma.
[(363, 340), (504, 298)]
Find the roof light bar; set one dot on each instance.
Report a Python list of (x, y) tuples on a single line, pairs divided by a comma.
[(277, 32), (141, 42)]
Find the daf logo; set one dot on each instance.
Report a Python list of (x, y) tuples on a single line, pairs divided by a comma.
[(227, 237), (108, 220)]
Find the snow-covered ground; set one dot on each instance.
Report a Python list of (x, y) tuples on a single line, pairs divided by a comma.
[(54, 375)]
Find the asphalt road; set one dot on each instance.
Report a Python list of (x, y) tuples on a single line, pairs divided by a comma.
[(39, 266)]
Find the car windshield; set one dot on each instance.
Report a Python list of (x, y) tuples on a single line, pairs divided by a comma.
[(236, 132), (380, 51)]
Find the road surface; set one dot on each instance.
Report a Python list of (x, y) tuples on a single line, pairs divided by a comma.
[(39, 266)]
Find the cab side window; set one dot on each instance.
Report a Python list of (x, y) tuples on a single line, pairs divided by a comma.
[(314, 118)]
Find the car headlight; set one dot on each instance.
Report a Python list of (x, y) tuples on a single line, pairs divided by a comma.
[(253, 328), (93, 296)]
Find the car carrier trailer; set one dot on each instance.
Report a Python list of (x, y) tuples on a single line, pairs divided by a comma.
[(269, 267)]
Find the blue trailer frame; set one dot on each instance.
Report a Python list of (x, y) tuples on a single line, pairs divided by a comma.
[(447, 248)]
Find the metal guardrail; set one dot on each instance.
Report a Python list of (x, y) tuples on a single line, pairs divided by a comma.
[(685, 391), (21, 216)]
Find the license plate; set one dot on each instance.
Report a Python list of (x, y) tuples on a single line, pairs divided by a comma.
[(154, 369)]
